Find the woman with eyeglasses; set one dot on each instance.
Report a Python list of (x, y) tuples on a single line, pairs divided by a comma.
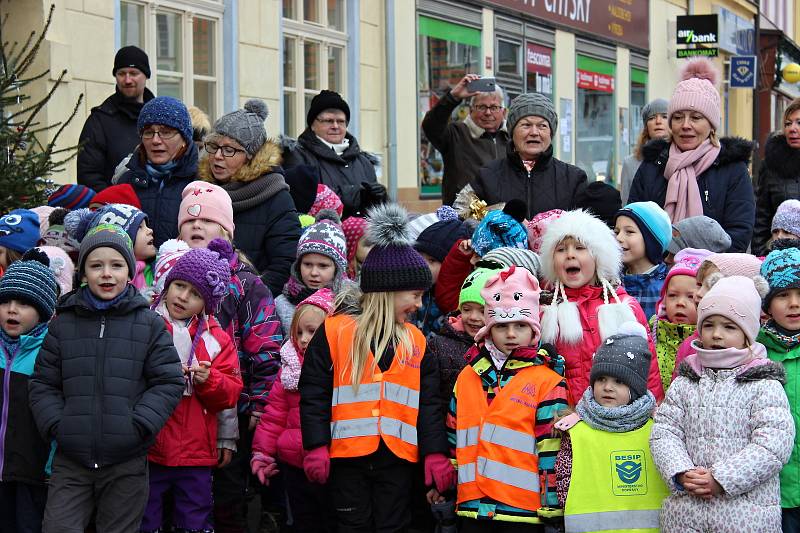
[(242, 160), (163, 164)]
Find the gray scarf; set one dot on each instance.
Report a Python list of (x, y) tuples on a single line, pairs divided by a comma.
[(615, 419), (246, 195)]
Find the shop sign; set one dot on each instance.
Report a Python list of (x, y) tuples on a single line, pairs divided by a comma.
[(743, 72), (737, 35), (697, 29), (595, 81), (698, 52), (538, 59), (623, 21)]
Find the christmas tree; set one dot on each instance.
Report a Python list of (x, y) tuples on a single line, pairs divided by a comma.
[(27, 158)]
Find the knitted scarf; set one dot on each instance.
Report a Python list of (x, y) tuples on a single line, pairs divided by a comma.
[(682, 168), (291, 364), (97, 304), (246, 195), (156, 173), (788, 339), (11, 344), (615, 419)]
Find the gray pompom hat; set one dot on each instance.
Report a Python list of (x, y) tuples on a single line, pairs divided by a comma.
[(245, 126)]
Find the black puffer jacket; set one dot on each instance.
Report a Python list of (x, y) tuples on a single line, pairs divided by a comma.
[(350, 175), (107, 137), (778, 180), (267, 225), (161, 200), (449, 347), (105, 383), (725, 189), (552, 184)]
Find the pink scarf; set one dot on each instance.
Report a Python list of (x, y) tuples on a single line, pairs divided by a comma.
[(683, 194)]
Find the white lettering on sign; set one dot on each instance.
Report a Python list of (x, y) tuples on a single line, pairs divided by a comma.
[(572, 9), (538, 58)]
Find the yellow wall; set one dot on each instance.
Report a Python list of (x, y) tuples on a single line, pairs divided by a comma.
[(259, 57)]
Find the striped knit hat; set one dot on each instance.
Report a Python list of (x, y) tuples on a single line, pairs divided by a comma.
[(71, 196), (31, 281)]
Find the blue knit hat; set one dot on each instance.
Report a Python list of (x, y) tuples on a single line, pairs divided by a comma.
[(19, 230), (781, 269), (30, 280), (655, 225), (79, 222), (167, 111), (437, 239), (501, 228)]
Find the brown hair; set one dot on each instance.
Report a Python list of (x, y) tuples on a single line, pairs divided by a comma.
[(12, 256), (793, 106)]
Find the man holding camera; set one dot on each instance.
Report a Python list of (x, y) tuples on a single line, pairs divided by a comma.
[(467, 145)]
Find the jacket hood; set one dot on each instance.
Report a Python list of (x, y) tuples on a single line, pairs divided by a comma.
[(75, 301), (765, 370), (734, 150), (780, 158), (266, 161)]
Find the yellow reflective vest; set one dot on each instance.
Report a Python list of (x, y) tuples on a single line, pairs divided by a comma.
[(615, 486)]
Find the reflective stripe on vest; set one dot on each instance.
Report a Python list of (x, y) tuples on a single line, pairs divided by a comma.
[(400, 394), (354, 427), (399, 429), (466, 473), (516, 440), (508, 475), (467, 437), (611, 521), (367, 392)]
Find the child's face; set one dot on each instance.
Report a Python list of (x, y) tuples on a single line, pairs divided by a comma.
[(143, 247), (611, 392), (198, 232), (362, 250), (183, 301), (679, 300), (105, 272), (17, 318), (307, 325), (3, 257), (574, 264), (785, 309), (472, 317), (433, 264), (316, 270), (509, 336), (701, 287), (718, 333), (406, 303), (783, 234), (630, 239)]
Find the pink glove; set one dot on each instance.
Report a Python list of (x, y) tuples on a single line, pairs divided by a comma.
[(263, 467), (317, 464), (439, 470)]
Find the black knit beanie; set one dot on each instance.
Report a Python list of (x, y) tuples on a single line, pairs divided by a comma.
[(131, 57), (327, 100)]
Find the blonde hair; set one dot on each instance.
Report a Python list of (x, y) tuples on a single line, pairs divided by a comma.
[(376, 326), (299, 312)]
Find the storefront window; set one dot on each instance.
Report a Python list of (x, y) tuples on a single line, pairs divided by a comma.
[(447, 52), (595, 119), (508, 57), (638, 101), (539, 69)]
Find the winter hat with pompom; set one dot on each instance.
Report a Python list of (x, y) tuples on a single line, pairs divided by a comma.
[(736, 298), (511, 295), (80, 221), (19, 230), (418, 224), (57, 235), (392, 264), (626, 357), (31, 281), (324, 237), (787, 217), (501, 228), (697, 91), (207, 201), (245, 126), (44, 212), (204, 270), (62, 266), (168, 254)]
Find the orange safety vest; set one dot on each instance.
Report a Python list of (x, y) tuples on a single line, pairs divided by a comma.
[(386, 404), (495, 444)]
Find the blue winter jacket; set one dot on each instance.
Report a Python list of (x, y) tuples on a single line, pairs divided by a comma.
[(646, 288), (726, 189)]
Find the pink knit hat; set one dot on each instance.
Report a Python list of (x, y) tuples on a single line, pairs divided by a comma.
[(206, 201), (44, 211), (697, 91), (326, 199), (168, 254), (538, 225), (687, 262), (322, 298), (511, 296), (354, 228), (745, 265), (61, 265), (737, 299)]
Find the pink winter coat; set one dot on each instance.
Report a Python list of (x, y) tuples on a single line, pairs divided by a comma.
[(579, 356), (278, 433)]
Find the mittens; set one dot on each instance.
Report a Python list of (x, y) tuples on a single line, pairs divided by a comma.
[(439, 471), (263, 467), (317, 465)]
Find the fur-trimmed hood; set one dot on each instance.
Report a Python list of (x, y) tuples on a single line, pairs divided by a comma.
[(766, 369), (781, 159), (267, 160), (734, 150)]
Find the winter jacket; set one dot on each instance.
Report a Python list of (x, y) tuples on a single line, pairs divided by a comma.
[(449, 347), (455, 269), (346, 174), (737, 424), (547, 442), (278, 433), (267, 227), (778, 180), (552, 184), (247, 314), (23, 452), (579, 356), (316, 389), (726, 191), (465, 146), (646, 288), (189, 438), (161, 199), (108, 136), (428, 318), (684, 350), (105, 383), (668, 338), (629, 167), (781, 352)]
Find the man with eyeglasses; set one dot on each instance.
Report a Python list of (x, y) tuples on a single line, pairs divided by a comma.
[(469, 144), (109, 133), (326, 145)]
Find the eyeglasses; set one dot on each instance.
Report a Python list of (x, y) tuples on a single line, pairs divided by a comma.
[(164, 134), (493, 108), (331, 121), (227, 151)]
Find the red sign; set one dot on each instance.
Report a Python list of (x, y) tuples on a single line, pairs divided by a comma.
[(538, 59), (595, 81)]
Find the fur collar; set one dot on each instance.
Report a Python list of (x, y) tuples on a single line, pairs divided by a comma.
[(768, 370), (266, 161), (734, 150), (781, 159)]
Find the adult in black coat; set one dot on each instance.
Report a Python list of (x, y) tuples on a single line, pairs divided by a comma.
[(530, 172), (343, 166), (109, 134), (242, 161), (779, 177)]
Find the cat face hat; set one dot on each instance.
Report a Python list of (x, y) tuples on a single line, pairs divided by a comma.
[(511, 296)]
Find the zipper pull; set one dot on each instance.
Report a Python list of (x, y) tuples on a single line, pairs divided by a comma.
[(102, 325), (706, 196)]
